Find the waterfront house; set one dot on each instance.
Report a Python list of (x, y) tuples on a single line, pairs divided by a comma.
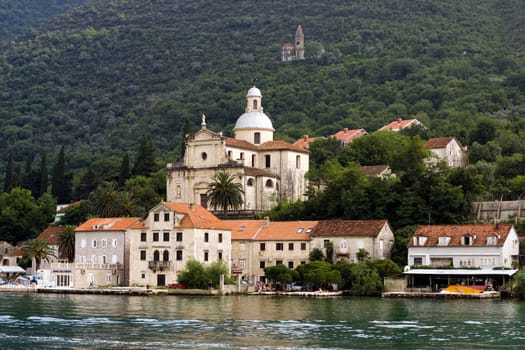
[(447, 149), (171, 235), (102, 252), (348, 237), (257, 244), (51, 235)]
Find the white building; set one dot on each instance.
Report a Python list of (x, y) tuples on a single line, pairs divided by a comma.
[(269, 171), (170, 236), (483, 246), (447, 149)]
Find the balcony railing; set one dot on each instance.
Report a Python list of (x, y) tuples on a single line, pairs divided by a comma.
[(159, 265)]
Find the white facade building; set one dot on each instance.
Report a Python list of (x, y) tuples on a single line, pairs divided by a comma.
[(269, 171)]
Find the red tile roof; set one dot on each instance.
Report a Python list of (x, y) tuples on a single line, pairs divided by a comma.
[(400, 124), (305, 141), (196, 216), (286, 231), (107, 224), (438, 142), (456, 232), (51, 234), (240, 144), (278, 145), (244, 229), (348, 136), (337, 228)]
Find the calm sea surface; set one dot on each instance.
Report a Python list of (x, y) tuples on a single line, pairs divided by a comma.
[(50, 321)]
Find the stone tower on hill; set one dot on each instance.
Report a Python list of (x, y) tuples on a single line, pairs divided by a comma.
[(295, 51)]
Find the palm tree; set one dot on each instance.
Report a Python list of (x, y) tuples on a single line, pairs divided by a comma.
[(39, 250), (66, 243), (224, 192)]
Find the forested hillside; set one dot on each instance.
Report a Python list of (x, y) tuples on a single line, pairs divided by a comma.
[(100, 76), (17, 16)]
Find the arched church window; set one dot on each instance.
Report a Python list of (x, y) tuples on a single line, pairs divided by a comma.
[(298, 162), (204, 156), (254, 104), (269, 183), (156, 255), (166, 256), (250, 182), (257, 138)]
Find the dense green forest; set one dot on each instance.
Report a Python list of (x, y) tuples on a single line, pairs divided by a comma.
[(98, 77), (18, 16)]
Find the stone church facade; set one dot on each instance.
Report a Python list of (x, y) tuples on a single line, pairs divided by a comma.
[(295, 51), (269, 170)]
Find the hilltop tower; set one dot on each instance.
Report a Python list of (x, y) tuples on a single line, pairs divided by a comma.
[(295, 51)]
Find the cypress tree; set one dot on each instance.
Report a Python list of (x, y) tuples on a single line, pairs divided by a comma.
[(58, 185), (8, 180), (17, 177), (145, 162), (44, 177), (27, 179), (124, 173)]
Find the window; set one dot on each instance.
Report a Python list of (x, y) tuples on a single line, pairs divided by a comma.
[(93, 259), (262, 264), (421, 240), (443, 241), (303, 246), (102, 259), (83, 243), (206, 236), (290, 264), (290, 246), (262, 246), (167, 217), (94, 243), (114, 243), (82, 259), (104, 243), (242, 246), (142, 255), (418, 261), (156, 217), (204, 156), (467, 240), (343, 245), (267, 161), (165, 256), (269, 183), (220, 237), (279, 246), (255, 104), (108, 278), (166, 236), (242, 263), (179, 236), (219, 256), (156, 255), (249, 182), (326, 243), (179, 255), (241, 156), (114, 259), (253, 160), (298, 162), (206, 255), (492, 240), (257, 138), (155, 236), (143, 275), (143, 236), (278, 262), (229, 154)]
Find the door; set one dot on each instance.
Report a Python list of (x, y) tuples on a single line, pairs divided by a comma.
[(161, 280)]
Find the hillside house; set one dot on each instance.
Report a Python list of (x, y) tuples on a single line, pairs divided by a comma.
[(400, 124), (447, 149), (346, 136)]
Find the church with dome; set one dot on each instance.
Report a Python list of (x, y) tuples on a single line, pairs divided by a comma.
[(270, 171)]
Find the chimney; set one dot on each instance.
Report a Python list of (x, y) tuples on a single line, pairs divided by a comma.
[(266, 220), (345, 129), (399, 120), (305, 138), (191, 206)]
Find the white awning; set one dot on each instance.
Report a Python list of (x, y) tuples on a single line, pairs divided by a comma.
[(461, 272), (11, 269)]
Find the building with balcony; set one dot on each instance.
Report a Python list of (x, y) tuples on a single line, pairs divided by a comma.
[(171, 235)]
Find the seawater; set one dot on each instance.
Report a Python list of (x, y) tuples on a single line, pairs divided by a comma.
[(52, 321)]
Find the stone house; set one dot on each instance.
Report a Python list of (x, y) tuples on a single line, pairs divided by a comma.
[(102, 252), (171, 235), (347, 237), (294, 51), (447, 149)]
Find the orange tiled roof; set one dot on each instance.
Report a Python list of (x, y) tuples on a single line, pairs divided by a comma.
[(286, 231), (240, 144), (400, 124), (456, 232), (349, 228), (196, 216), (348, 136), (107, 224), (305, 141), (244, 229), (51, 234), (438, 142), (279, 144)]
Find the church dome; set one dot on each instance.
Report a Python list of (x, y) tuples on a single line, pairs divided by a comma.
[(254, 117), (254, 120)]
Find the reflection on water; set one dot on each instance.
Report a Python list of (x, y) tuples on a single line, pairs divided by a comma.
[(36, 321)]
